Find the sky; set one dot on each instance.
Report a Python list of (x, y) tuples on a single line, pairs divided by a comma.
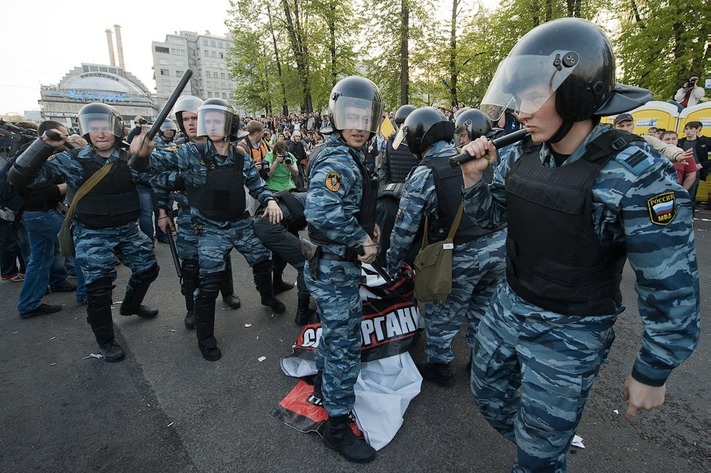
[(40, 45)]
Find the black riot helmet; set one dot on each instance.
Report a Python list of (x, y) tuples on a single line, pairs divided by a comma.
[(355, 104), (402, 113), (422, 128), (218, 117), (185, 103), (474, 121), (569, 57), (99, 116)]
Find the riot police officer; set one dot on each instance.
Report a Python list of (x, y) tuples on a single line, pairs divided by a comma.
[(394, 167), (166, 134), (214, 174), (106, 218), (340, 211), (580, 199), (185, 110), (433, 191)]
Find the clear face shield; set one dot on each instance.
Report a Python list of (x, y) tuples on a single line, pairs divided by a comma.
[(214, 121), (522, 84), (357, 114), (100, 122)]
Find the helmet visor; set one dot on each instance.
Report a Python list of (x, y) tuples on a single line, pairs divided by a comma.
[(214, 121), (524, 83), (350, 113), (100, 122)]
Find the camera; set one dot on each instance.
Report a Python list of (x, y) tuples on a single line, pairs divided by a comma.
[(288, 161), (143, 121)]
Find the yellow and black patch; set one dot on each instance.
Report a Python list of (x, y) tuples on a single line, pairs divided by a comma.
[(333, 181), (173, 148), (662, 208)]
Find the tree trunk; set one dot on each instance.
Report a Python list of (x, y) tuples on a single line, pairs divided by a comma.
[(453, 75), (284, 105), (301, 52), (404, 53)]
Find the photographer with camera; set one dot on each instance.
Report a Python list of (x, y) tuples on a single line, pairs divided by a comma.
[(689, 94), (282, 166)]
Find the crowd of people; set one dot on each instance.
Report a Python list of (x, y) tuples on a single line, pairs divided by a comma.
[(543, 228)]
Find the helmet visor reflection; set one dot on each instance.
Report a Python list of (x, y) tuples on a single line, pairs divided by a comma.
[(214, 121), (100, 122), (524, 83), (351, 113)]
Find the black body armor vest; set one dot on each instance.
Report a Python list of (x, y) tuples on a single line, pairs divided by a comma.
[(400, 162), (222, 197), (554, 257), (112, 202), (448, 184)]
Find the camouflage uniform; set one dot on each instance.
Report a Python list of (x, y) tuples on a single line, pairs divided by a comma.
[(97, 248), (332, 202), (533, 368), (216, 237), (477, 265)]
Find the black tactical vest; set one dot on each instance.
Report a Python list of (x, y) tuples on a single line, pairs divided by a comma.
[(448, 184), (112, 202), (222, 197), (400, 161), (554, 257)]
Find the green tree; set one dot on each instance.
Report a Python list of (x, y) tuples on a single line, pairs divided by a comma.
[(662, 43)]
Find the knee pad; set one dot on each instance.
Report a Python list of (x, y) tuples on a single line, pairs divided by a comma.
[(262, 267), (145, 277), (190, 268), (210, 286)]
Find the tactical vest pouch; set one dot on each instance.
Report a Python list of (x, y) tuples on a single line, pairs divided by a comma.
[(433, 265), (393, 190)]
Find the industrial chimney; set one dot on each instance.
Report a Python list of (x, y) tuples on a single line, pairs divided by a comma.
[(119, 46), (110, 40)]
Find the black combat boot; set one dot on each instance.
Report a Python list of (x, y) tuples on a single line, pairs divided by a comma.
[(437, 373), (303, 313), (278, 282), (263, 279), (227, 288), (98, 311), (337, 434), (205, 314), (190, 271), (135, 292)]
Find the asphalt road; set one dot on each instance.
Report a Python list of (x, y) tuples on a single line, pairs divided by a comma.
[(164, 408)]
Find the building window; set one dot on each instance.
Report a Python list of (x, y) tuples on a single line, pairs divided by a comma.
[(222, 75), (224, 95), (212, 43), (179, 52), (208, 84), (207, 53), (164, 72), (163, 62), (179, 73), (178, 63), (205, 42), (161, 49)]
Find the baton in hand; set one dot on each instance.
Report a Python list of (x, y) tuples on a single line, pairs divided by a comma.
[(498, 143)]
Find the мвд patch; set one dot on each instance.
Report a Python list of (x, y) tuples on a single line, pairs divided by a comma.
[(662, 208), (333, 181)]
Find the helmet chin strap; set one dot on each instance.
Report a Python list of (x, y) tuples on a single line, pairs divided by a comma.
[(562, 131)]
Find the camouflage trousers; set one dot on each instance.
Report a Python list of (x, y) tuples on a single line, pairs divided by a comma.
[(97, 249), (215, 242), (336, 292), (532, 371), (187, 236), (478, 267)]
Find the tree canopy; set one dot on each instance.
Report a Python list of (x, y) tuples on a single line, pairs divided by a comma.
[(288, 54)]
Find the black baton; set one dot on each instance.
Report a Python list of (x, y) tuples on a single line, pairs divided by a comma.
[(497, 142), (174, 253), (141, 164)]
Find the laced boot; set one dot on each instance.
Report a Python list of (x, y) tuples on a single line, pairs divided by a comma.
[(338, 436)]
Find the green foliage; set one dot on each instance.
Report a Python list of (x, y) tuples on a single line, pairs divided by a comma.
[(660, 44)]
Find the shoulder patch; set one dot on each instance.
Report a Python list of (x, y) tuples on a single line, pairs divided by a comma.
[(662, 208), (173, 148), (333, 181), (635, 159)]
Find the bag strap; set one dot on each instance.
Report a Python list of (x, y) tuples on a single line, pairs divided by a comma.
[(452, 229), (87, 187)]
